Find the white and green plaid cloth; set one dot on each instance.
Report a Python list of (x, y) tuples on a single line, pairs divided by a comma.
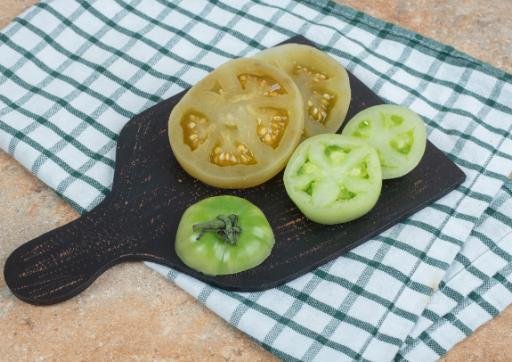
[(72, 73)]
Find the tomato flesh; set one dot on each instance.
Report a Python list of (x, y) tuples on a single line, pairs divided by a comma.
[(333, 178), (238, 126), (208, 253), (397, 133), (322, 81)]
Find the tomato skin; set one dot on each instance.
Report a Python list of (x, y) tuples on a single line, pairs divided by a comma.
[(210, 254), (333, 179), (223, 112), (397, 133)]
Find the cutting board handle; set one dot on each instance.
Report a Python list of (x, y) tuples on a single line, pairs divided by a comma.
[(61, 263)]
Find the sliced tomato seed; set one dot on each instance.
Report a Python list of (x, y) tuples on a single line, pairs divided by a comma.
[(315, 75), (263, 85), (319, 105), (194, 132), (270, 126), (240, 155)]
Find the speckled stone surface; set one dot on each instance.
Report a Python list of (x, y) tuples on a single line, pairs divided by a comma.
[(131, 313)]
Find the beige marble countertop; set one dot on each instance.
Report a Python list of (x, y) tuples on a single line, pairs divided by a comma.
[(131, 313)]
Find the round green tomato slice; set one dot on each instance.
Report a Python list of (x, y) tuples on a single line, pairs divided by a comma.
[(333, 178), (223, 235), (397, 133)]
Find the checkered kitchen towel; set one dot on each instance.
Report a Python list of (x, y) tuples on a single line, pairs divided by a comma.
[(477, 286), (72, 73)]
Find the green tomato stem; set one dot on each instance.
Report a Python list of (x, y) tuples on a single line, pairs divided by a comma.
[(225, 226)]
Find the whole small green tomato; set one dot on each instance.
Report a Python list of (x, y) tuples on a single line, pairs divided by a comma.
[(223, 235)]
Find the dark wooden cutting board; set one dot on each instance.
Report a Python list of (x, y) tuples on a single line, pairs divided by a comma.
[(138, 219)]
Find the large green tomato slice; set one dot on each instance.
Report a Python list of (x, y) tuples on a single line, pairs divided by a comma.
[(223, 235), (397, 133), (333, 178)]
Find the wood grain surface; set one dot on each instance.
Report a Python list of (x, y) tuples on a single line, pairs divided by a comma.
[(130, 312)]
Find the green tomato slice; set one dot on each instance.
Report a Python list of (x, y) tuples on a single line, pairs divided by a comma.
[(397, 133), (333, 178), (211, 240)]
